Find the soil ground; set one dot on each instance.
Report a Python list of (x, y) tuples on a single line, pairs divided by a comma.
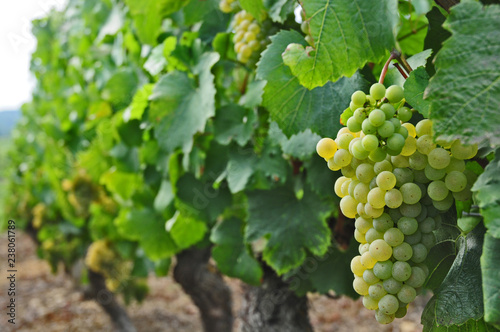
[(50, 303)]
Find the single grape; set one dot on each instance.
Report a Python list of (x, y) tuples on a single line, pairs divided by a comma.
[(401, 312), (326, 148), (373, 212), (368, 128), (348, 171), (388, 304), (418, 160), (380, 250), (333, 165), (401, 271), (348, 206), (344, 189), (363, 247), (383, 223), (403, 175), (359, 115), (389, 111), (455, 165), (365, 172), (370, 142), (411, 193), (394, 94), (372, 234), (386, 180), (383, 318), (338, 186), (410, 146), (396, 123), (403, 132), (343, 140), (402, 252), (377, 91), (419, 176), (407, 225), (358, 97), (377, 291), (393, 198), (391, 285), (370, 303), (386, 129), (249, 36), (360, 286), (361, 191), (414, 238), (376, 117), (367, 260), (369, 277), (395, 142), (460, 151), (383, 270), (407, 294), (384, 165), (438, 158), (376, 198), (353, 125), (437, 190), (428, 240), (394, 237), (377, 155), (455, 181), (427, 225), (419, 253), (410, 210), (404, 114), (425, 144), (434, 174), (358, 151), (424, 127), (417, 277), (411, 129), (400, 161), (342, 158), (304, 27), (360, 237)]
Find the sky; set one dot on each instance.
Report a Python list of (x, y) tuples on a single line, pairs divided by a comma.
[(16, 45)]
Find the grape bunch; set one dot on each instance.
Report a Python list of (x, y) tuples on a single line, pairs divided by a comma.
[(396, 183), (249, 37)]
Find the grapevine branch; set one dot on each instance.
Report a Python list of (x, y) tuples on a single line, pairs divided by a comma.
[(401, 71), (386, 67)]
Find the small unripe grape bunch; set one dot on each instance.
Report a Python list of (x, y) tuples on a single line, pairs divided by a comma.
[(248, 38), (228, 6)]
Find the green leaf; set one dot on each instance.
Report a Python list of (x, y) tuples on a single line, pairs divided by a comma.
[(147, 227), (148, 16), (292, 226), (120, 88), (156, 61), (436, 35), (412, 33), (469, 326), (185, 230), (294, 107), (196, 10), (164, 197), (347, 35), (254, 7), (241, 166), (230, 253), (279, 10), (122, 184), (180, 107), (139, 103), (253, 94), (320, 177), (301, 145), (233, 123), (414, 90), (491, 281), (393, 76), (465, 98), (460, 297)]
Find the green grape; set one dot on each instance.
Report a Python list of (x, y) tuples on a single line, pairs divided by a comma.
[(424, 127), (310, 40), (403, 175), (396, 142), (407, 225), (411, 129), (326, 148), (383, 318), (455, 165), (384, 165), (348, 206), (358, 151), (403, 252), (401, 312), (373, 183), (343, 140), (367, 260), (401, 271), (361, 211), (368, 128), (377, 155), (245, 51), (377, 291), (418, 161), (419, 253), (371, 100), (342, 158), (352, 186), (419, 176), (463, 195), (373, 212), (394, 213), (439, 158), (386, 129), (332, 165), (338, 185), (460, 151), (363, 224), (410, 147), (353, 125), (410, 210), (348, 171), (376, 198), (360, 237), (428, 240), (388, 304), (437, 190), (407, 294), (344, 189), (365, 172), (427, 225), (361, 192), (394, 94), (417, 277), (370, 142), (356, 162), (304, 27), (394, 237), (359, 115), (414, 238), (377, 91), (380, 250), (376, 117), (404, 114), (354, 106), (383, 270), (393, 198), (391, 285), (358, 97), (255, 28), (403, 132), (411, 193), (363, 247), (383, 223), (370, 303), (400, 161), (372, 234), (360, 286), (425, 144), (249, 36), (396, 123), (471, 176), (389, 111), (386, 180), (434, 174), (369, 277), (423, 214), (455, 181)]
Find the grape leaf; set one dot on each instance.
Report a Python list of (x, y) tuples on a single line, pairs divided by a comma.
[(254, 7), (185, 230), (301, 145), (253, 94), (147, 227), (196, 10), (279, 10), (412, 33), (320, 177), (234, 123), (121, 183), (491, 282), (292, 226), (120, 88), (180, 108), (436, 35), (414, 90), (230, 253), (347, 35), (294, 107), (156, 61), (139, 103), (465, 98), (470, 326), (460, 296)]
